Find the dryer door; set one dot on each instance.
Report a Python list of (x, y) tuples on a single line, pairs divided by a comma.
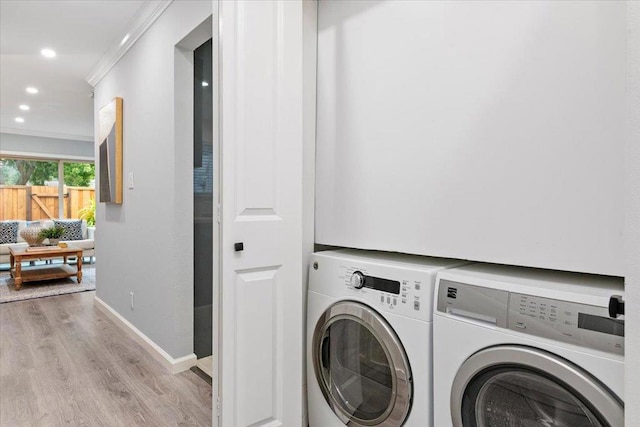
[(361, 366), (521, 387)]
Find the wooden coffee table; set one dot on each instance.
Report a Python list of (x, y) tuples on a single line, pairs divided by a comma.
[(22, 274)]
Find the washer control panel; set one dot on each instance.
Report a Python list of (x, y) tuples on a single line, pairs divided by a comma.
[(580, 324), (566, 321)]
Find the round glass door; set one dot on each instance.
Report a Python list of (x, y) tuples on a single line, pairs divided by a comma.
[(361, 366), (523, 387)]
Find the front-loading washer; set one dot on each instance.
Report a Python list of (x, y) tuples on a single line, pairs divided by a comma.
[(369, 327), (521, 347)]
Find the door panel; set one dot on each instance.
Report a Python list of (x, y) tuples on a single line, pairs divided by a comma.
[(261, 116), (257, 324), (258, 54)]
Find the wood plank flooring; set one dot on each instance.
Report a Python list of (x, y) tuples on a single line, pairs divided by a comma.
[(206, 365), (62, 362)]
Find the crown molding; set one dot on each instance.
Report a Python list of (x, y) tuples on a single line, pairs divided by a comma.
[(45, 134), (139, 24)]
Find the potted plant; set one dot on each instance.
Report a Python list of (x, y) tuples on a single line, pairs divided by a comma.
[(52, 233), (88, 213)]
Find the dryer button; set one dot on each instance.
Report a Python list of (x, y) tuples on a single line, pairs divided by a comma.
[(381, 298), (416, 305)]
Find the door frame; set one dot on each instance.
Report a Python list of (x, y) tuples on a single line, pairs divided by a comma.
[(183, 78), (216, 309)]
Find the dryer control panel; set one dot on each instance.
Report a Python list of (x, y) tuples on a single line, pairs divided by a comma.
[(391, 283), (566, 321), (404, 294)]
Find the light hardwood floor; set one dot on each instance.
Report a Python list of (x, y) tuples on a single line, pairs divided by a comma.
[(206, 365), (62, 362)]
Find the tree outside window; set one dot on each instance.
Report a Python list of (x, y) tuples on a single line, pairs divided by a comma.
[(35, 172)]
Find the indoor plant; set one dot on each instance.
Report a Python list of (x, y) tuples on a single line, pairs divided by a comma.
[(52, 233)]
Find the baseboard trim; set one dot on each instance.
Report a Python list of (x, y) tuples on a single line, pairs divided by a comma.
[(172, 365)]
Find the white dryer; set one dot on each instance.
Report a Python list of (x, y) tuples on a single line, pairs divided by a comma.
[(521, 347), (369, 327)]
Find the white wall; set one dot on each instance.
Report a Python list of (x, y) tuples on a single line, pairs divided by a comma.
[(632, 196), (490, 131), (42, 147), (145, 244)]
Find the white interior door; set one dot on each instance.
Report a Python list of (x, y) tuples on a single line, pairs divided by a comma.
[(261, 345)]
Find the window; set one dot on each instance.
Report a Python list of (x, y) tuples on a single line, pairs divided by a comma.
[(29, 188)]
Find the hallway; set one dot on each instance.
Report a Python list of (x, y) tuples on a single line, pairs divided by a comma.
[(62, 362)]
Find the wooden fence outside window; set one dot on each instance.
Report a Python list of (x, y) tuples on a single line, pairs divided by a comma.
[(32, 203)]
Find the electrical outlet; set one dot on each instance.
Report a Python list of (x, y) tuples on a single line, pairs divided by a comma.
[(131, 304)]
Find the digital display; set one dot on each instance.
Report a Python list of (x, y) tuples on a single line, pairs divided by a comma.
[(383, 285), (605, 325)]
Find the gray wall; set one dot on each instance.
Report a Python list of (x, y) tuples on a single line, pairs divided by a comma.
[(145, 245), (42, 147)]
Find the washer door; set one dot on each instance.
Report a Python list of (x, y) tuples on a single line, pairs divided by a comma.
[(524, 387), (361, 366)]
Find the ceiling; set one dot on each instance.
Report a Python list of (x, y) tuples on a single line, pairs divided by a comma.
[(81, 33)]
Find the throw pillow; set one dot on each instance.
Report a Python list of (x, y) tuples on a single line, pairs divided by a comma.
[(8, 231), (72, 229)]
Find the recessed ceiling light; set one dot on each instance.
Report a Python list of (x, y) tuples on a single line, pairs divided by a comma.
[(19, 120), (24, 107), (124, 39), (32, 90), (205, 84), (48, 53)]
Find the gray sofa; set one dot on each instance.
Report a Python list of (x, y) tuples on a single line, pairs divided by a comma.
[(87, 243)]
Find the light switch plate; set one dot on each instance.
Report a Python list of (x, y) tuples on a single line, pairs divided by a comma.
[(130, 180)]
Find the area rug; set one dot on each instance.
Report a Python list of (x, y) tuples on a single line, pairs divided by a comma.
[(46, 288)]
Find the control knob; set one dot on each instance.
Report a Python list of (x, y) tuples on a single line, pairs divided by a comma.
[(357, 280)]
